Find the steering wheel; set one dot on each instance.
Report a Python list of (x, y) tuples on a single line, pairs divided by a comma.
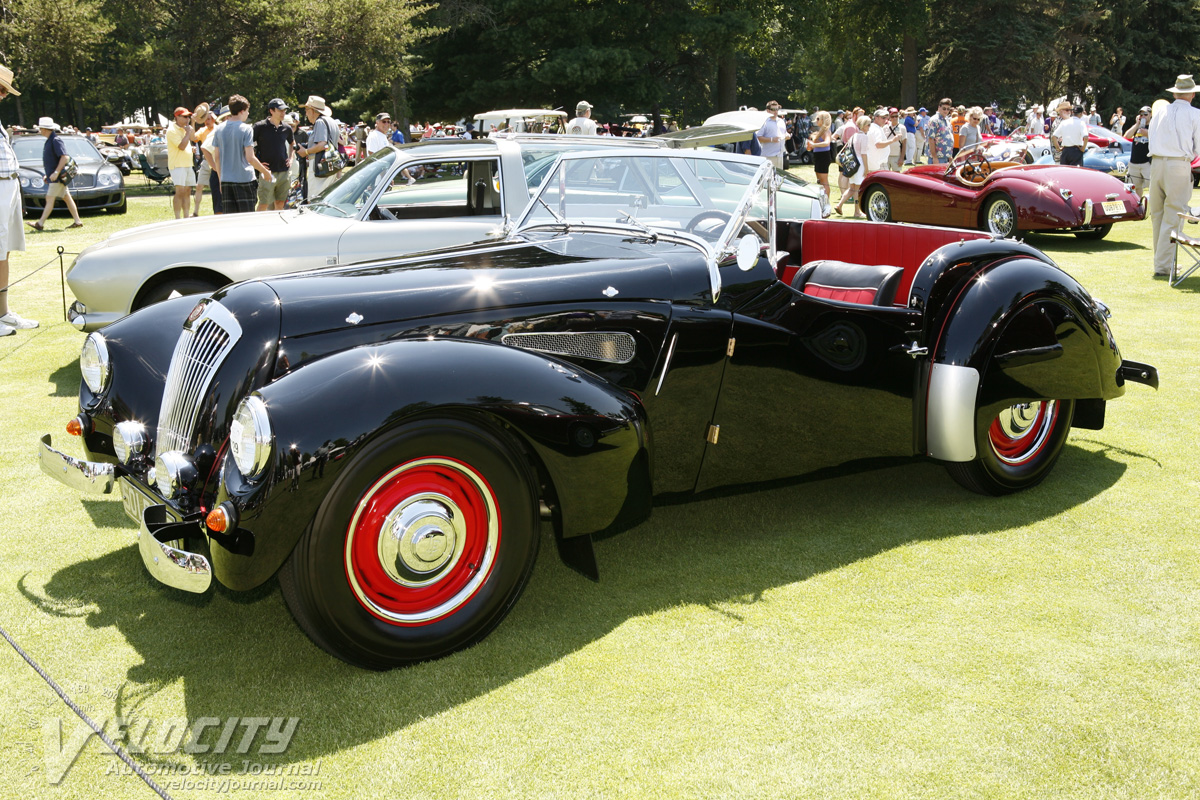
[(975, 168), (711, 213)]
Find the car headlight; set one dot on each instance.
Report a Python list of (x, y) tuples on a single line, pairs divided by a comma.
[(94, 363), (33, 181), (250, 437), (129, 441), (174, 473), (108, 177)]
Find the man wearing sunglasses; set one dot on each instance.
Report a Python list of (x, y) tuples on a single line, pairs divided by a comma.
[(941, 138), (772, 135)]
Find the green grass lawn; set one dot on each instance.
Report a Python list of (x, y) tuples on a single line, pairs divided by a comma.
[(878, 635)]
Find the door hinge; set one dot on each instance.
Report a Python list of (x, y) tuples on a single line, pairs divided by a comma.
[(729, 348), (713, 432)]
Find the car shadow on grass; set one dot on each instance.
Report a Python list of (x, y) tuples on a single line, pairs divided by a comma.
[(241, 655), (66, 379), (1069, 243)]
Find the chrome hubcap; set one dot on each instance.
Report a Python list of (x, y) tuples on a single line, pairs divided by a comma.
[(421, 540), (1021, 430)]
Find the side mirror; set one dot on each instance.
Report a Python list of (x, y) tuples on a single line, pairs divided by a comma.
[(748, 248)]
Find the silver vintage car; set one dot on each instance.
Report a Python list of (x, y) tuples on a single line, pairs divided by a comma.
[(401, 200)]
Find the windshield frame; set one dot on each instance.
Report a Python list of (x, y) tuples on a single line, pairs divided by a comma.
[(763, 177)]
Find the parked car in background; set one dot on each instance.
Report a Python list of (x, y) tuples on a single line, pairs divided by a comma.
[(118, 157), (388, 438), (1112, 158), (992, 187), (401, 200), (98, 185)]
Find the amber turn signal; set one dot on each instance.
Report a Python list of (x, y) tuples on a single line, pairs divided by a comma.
[(217, 520), (79, 425)]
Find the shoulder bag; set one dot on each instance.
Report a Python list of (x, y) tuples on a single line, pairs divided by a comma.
[(68, 172), (847, 159), (330, 161)]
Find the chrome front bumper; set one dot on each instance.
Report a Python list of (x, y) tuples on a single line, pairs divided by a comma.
[(158, 529), (92, 477)]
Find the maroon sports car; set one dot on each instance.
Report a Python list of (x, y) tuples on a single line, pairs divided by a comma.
[(993, 188)]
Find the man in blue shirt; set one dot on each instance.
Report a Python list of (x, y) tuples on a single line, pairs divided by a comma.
[(54, 158), (233, 148)]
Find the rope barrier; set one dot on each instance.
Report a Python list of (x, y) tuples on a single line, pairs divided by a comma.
[(79, 712), (62, 276)]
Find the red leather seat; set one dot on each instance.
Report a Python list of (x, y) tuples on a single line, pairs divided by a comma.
[(868, 284)]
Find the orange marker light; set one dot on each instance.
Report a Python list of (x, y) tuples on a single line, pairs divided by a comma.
[(75, 427), (217, 520)]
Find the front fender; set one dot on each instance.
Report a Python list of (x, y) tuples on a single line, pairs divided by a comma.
[(140, 347), (588, 438), (1019, 330)]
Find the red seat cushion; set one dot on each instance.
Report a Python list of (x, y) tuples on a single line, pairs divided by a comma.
[(872, 243)]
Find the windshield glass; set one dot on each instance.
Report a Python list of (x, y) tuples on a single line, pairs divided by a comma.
[(347, 195), (995, 150), (692, 195), (29, 148)]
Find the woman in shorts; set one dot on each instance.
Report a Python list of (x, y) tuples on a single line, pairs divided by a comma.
[(819, 142), (859, 142)]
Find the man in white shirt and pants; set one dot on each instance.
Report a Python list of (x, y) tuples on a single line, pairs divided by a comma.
[(1174, 142), (879, 141), (772, 135)]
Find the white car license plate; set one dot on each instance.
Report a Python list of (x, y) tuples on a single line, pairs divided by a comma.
[(136, 499), (1114, 208)]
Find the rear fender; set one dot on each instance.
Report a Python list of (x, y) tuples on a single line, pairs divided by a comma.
[(587, 439), (1018, 330)]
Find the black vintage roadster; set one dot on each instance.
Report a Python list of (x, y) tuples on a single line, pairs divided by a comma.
[(387, 437)]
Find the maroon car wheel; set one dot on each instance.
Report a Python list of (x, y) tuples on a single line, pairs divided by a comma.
[(1019, 448), (421, 547)]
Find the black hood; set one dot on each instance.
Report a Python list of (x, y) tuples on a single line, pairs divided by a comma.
[(585, 269)]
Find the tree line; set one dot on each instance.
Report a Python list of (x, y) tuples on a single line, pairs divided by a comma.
[(91, 62)]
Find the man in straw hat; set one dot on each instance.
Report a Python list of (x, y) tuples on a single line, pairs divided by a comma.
[(320, 116), (1174, 142), (12, 232)]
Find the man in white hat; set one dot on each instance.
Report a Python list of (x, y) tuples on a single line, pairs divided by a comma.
[(54, 158), (323, 133), (1174, 142), (583, 124), (12, 232)]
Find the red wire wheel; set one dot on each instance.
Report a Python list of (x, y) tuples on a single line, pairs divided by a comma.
[(422, 541)]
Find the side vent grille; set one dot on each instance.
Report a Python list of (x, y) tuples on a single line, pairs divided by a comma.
[(612, 347)]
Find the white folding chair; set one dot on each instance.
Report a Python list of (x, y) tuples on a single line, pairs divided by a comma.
[(1189, 245)]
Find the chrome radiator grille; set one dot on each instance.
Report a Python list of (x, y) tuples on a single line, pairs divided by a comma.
[(202, 346)]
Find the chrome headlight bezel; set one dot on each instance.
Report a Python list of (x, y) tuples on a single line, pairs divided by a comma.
[(250, 438), (95, 364)]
